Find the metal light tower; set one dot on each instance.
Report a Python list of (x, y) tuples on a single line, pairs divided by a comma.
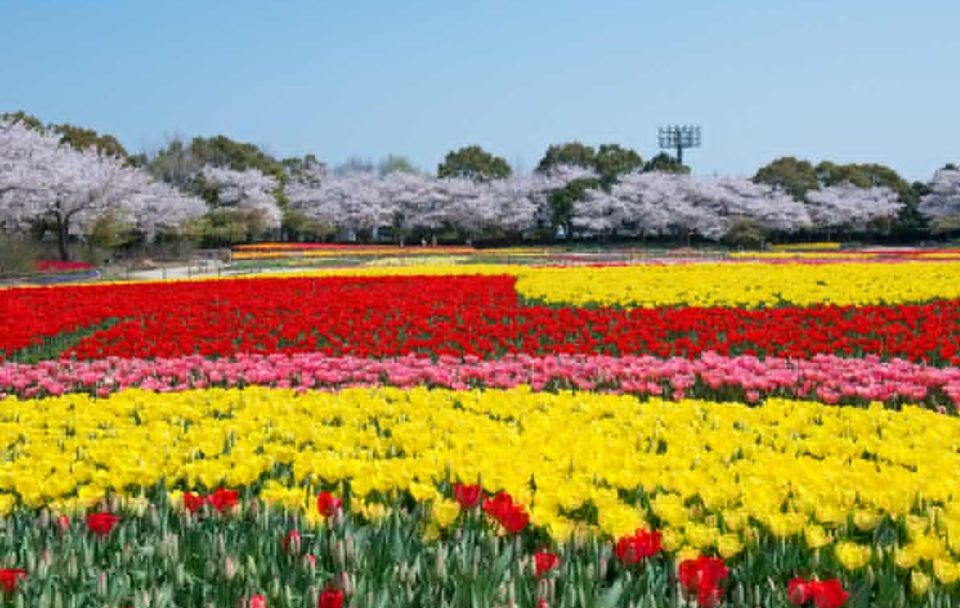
[(679, 137)]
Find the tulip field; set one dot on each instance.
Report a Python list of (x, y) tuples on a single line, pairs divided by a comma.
[(763, 431)]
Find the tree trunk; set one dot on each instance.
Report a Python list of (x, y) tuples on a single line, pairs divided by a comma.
[(62, 239)]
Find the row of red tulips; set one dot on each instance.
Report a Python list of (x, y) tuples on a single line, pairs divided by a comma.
[(464, 315)]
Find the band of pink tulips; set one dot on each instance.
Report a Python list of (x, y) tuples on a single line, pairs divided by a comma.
[(825, 378)]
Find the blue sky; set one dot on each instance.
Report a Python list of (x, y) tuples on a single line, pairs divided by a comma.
[(847, 80)]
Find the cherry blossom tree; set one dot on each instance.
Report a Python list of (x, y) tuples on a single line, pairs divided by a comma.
[(416, 201), (410, 202), (942, 205), (848, 207), (659, 203), (42, 179), (248, 190), (162, 208), (649, 204), (354, 202)]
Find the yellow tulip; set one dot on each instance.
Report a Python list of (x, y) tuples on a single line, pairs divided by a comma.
[(919, 583), (729, 545), (852, 556)]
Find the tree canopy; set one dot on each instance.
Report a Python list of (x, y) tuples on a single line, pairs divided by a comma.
[(473, 162)]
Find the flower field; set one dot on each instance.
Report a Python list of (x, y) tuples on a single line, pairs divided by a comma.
[(744, 433)]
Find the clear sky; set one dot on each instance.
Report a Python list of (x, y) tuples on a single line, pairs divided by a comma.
[(848, 80)]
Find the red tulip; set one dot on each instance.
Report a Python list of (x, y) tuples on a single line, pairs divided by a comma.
[(223, 499), (331, 598), (9, 577), (545, 561), (193, 502), (467, 495), (256, 601), (101, 523), (498, 505), (701, 577), (825, 594), (641, 545), (709, 596), (798, 591), (328, 504), (542, 603), (702, 572), (512, 516), (515, 519), (828, 593)]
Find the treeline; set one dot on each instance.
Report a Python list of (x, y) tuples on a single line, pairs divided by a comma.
[(73, 186)]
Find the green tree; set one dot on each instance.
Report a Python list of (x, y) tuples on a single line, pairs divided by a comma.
[(910, 222), (79, 138), (221, 227), (110, 232), (394, 163), (665, 163), (563, 199), (475, 163), (83, 139), (746, 232), (27, 120), (613, 160), (609, 161), (790, 175), (570, 153), (354, 164), (221, 151)]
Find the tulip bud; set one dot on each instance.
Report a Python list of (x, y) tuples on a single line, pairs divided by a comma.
[(63, 524), (340, 554), (229, 568), (73, 568), (351, 554), (102, 583), (441, 570), (310, 563), (346, 583), (292, 542)]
